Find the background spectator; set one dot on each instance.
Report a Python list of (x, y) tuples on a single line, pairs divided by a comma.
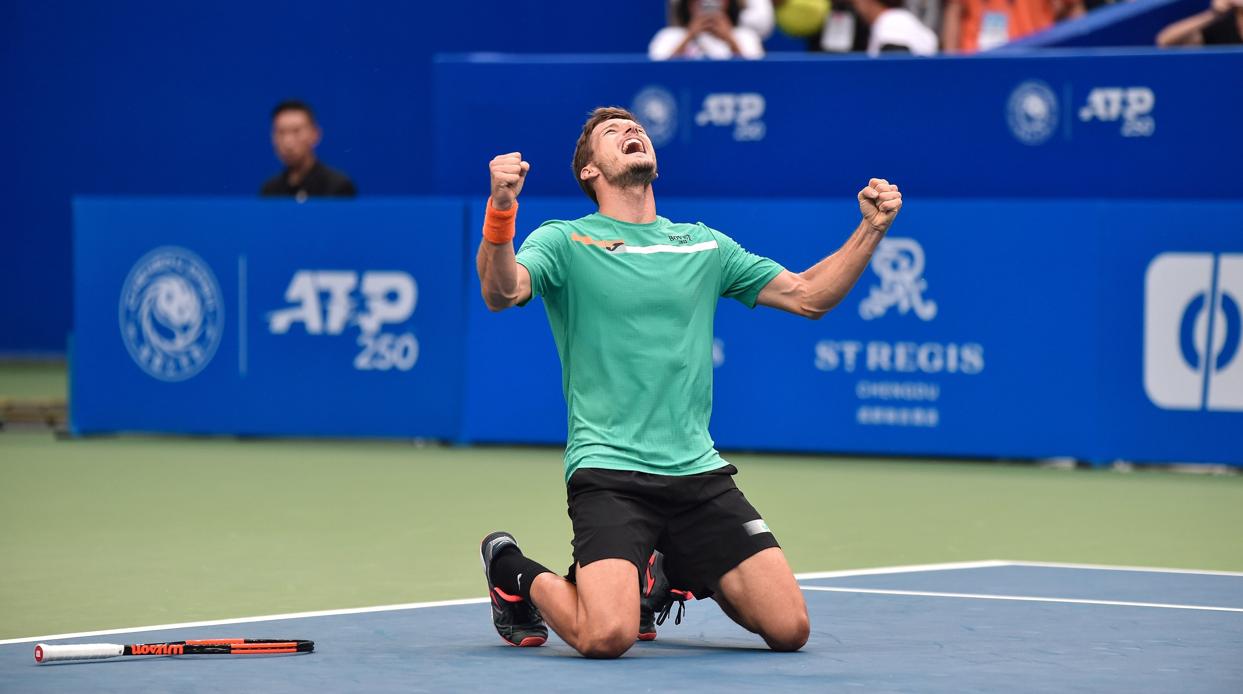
[(705, 29), (928, 12), (978, 25), (1090, 5), (758, 16), (894, 29), (801, 18), (295, 134), (1221, 23), (844, 31)]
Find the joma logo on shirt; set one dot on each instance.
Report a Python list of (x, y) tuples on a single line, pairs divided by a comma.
[(610, 246), (679, 238)]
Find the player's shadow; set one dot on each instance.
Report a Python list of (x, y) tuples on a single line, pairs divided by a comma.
[(683, 648), (191, 657), (664, 648)]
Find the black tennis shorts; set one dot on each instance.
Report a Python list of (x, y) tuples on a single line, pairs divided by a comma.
[(702, 523)]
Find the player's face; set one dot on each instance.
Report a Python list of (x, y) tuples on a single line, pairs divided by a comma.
[(622, 151), (294, 137)]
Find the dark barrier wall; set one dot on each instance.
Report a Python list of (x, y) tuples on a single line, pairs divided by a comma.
[(170, 98), (1097, 329)]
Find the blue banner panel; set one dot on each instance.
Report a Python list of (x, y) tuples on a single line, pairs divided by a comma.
[(250, 317), (1093, 329), (1171, 352), (1123, 124)]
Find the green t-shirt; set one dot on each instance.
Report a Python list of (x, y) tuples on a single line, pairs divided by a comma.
[(631, 308)]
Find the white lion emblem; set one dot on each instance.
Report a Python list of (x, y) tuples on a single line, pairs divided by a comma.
[(171, 313), (172, 316), (900, 265)]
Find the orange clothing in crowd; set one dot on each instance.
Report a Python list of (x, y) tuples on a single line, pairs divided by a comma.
[(989, 23)]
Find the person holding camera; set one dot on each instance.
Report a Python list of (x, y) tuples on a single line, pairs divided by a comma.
[(705, 29)]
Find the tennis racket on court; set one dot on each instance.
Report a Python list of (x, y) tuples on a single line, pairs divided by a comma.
[(51, 653)]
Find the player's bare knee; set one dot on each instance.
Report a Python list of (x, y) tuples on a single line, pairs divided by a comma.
[(790, 635), (608, 644)]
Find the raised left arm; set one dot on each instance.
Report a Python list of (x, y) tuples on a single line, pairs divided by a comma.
[(815, 291)]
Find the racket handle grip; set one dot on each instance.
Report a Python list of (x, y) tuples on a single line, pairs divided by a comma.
[(45, 653)]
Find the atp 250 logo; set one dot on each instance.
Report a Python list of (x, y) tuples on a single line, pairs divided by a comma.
[(743, 112), (327, 302), (1133, 106), (1192, 321), (1034, 112)]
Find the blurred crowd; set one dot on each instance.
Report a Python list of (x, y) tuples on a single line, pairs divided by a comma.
[(720, 29)]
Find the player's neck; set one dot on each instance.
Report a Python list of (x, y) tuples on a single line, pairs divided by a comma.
[(636, 205)]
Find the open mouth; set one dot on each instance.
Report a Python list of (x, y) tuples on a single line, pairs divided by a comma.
[(633, 145)]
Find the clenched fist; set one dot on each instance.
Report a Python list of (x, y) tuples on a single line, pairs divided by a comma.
[(508, 174), (879, 202)]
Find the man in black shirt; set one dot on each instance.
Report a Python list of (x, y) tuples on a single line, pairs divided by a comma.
[(294, 137)]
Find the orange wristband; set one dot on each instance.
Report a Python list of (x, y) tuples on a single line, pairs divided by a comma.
[(498, 226)]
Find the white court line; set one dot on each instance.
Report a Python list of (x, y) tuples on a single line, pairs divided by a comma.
[(912, 568), (447, 603), (247, 620), (1107, 567), (991, 563), (1022, 598)]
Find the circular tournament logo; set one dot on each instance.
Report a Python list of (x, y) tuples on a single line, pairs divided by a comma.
[(1032, 112), (171, 313), (658, 112)]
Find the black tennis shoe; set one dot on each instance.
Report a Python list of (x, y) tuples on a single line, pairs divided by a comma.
[(656, 598), (517, 621)]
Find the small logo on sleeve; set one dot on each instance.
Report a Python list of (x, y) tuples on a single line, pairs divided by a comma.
[(756, 527)]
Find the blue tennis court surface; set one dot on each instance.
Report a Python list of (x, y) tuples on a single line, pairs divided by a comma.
[(976, 627)]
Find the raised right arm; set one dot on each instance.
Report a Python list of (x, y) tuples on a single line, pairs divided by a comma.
[(502, 280)]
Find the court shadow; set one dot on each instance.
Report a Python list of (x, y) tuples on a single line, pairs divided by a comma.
[(670, 648), (683, 646), (140, 659)]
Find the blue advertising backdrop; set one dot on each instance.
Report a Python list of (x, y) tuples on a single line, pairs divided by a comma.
[(256, 318), (1096, 329), (140, 97), (173, 99), (1170, 279), (1135, 124)]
